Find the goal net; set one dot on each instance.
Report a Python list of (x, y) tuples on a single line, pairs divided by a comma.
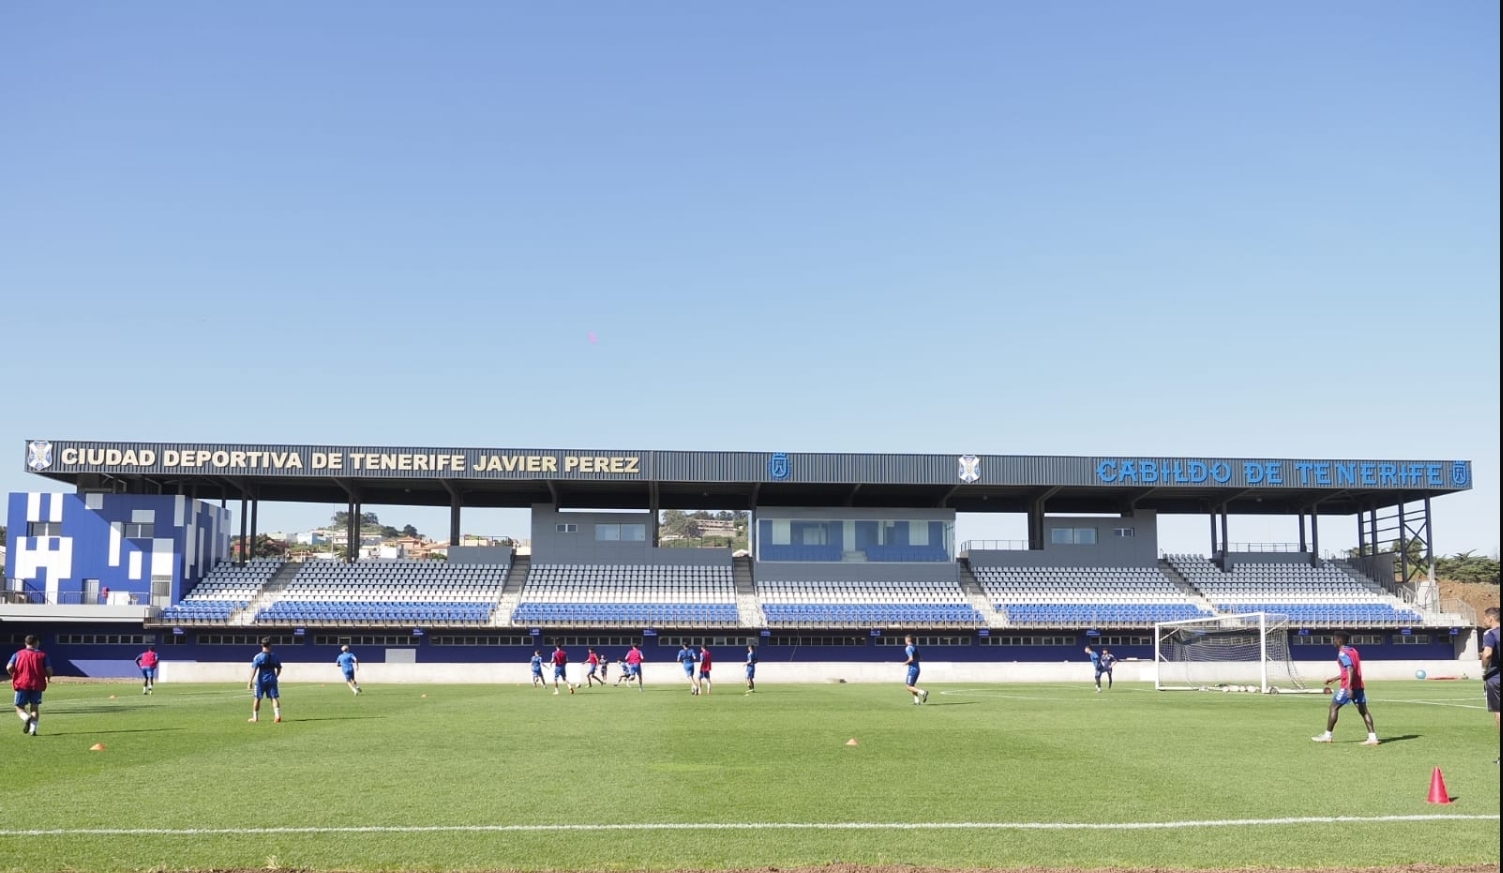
[(1247, 652)]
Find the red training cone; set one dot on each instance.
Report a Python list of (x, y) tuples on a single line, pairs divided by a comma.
[(1438, 793)]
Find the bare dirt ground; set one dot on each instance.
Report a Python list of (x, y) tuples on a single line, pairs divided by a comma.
[(1477, 595), (899, 869)]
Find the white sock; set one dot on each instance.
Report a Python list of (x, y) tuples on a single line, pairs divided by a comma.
[(24, 716)]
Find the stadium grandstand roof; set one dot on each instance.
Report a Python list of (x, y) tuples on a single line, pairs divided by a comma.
[(639, 479)]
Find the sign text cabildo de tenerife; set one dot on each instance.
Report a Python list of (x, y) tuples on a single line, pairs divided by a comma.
[(211, 459)]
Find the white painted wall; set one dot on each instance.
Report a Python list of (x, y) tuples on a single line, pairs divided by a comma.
[(773, 673)]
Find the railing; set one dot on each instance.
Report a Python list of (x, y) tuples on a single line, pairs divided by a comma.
[(42, 598), (1264, 547), (994, 546)]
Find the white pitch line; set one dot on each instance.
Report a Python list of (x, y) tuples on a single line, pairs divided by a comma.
[(1434, 703), (745, 826)]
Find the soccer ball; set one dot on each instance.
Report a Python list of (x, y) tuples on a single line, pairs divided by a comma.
[(1419, 674)]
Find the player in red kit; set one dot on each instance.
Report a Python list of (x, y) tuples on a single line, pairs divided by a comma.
[(1352, 690)]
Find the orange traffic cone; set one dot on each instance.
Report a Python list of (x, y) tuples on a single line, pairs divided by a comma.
[(1438, 793), (97, 747)]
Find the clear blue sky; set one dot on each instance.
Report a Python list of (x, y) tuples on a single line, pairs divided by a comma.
[(1173, 228)]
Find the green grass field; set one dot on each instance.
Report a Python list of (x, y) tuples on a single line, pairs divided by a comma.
[(508, 777)]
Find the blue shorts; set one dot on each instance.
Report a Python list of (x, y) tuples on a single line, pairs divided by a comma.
[(349, 675), (689, 670), (558, 672), (267, 689), (913, 673), (751, 671), (33, 698), (634, 669), (537, 674), (148, 672), (704, 674), (1342, 698), (591, 670)]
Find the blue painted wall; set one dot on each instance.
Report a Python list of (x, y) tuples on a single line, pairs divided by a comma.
[(116, 660), (85, 539)]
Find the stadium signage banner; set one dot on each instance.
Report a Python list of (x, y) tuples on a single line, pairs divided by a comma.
[(955, 471), (1305, 474), (44, 456)]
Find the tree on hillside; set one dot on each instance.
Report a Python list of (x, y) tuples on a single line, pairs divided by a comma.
[(262, 546), (2, 533), (367, 519), (1467, 567), (410, 531)]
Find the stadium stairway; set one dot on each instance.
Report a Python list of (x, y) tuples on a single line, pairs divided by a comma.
[(511, 592), (268, 594), (1184, 585), (994, 617), (748, 607)]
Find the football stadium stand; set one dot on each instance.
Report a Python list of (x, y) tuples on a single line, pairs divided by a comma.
[(837, 556), (1309, 595), (385, 591), (599, 595), (858, 595), (1061, 596), (227, 589)]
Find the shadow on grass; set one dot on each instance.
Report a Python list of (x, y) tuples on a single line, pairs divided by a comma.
[(333, 718), (1401, 738), (47, 733)]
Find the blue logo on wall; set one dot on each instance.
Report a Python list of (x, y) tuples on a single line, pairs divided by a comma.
[(1461, 475), (777, 466), (39, 454)]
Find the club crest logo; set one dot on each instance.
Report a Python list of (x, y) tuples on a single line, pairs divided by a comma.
[(1461, 474), (39, 454), (970, 468), (777, 466)]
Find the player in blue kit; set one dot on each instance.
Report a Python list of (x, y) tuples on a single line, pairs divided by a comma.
[(1104, 668), (266, 669), (348, 663), (687, 659), (537, 670), (912, 663)]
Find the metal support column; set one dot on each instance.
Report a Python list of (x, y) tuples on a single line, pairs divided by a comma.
[(1302, 531), (1429, 540), (254, 507), (1315, 534), (455, 505), (240, 558), (1226, 542), (1361, 536), (1403, 544), (351, 528), (1212, 518)]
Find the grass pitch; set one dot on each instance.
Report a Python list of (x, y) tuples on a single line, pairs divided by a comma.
[(509, 777)]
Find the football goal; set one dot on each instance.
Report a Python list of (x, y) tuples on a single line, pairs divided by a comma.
[(1246, 652)]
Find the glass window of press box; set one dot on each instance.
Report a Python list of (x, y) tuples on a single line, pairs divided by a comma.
[(855, 540)]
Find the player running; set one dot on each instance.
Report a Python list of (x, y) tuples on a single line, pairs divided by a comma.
[(595, 664), (704, 669), (147, 661), (537, 670), (686, 659), (912, 651), (561, 669), (348, 664), (266, 670)]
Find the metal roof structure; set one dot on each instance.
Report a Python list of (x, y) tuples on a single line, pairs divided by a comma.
[(644, 479)]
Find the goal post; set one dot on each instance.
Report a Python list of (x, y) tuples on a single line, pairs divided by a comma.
[(1241, 652)]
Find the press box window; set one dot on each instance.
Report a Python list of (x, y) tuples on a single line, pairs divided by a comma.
[(1126, 532), (134, 531), (44, 529), (1073, 536), (567, 528)]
